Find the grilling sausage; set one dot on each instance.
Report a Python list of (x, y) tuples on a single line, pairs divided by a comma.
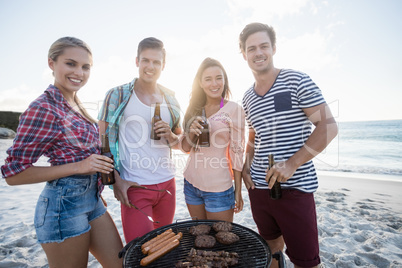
[(146, 246), (164, 243), (161, 252), (167, 237)]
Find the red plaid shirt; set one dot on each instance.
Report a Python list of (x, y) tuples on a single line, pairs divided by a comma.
[(50, 127)]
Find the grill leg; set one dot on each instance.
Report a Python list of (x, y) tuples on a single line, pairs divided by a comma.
[(280, 258)]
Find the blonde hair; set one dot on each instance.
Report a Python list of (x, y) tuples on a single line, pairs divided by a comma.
[(57, 49)]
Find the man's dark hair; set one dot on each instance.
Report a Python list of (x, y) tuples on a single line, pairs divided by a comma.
[(254, 28), (151, 42)]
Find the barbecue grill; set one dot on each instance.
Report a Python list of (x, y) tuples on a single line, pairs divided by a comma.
[(253, 250)]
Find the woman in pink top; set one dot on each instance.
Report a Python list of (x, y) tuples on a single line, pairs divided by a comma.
[(209, 174)]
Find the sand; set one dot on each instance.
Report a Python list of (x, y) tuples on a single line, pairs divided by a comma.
[(359, 219)]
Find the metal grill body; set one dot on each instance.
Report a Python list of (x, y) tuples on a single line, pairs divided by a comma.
[(252, 248)]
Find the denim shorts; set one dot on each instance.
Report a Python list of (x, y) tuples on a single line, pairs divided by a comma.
[(214, 202), (66, 206)]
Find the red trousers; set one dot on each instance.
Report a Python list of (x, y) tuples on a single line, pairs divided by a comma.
[(160, 206)]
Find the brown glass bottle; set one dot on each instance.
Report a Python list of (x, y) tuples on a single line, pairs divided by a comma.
[(156, 118), (107, 179), (276, 191), (203, 140)]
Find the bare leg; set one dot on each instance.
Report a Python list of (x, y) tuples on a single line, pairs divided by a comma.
[(105, 241), (197, 212), (226, 215), (200, 213), (275, 246), (73, 252), (278, 245)]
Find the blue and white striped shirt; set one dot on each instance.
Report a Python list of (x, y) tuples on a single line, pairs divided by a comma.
[(281, 127)]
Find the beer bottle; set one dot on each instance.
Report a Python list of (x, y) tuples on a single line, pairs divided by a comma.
[(203, 140), (276, 191), (156, 118), (107, 179)]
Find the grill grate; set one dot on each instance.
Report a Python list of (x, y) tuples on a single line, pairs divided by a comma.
[(252, 249)]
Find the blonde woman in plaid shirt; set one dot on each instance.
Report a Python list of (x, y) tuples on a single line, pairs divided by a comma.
[(70, 217)]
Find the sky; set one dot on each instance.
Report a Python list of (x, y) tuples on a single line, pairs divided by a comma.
[(350, 48)]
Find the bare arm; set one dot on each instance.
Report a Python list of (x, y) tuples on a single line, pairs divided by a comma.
[(188, 141), (102, 127), (249, 160), (325, 131), (92, 164), (238, 196), (163, 129), (173, 139)]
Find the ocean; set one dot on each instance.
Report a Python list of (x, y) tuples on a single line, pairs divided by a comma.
[(370, 147)]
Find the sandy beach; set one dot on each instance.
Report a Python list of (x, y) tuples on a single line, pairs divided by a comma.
[(359, 220)]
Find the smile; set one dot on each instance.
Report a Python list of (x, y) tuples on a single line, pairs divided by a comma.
[(259, 61), (75, 80)]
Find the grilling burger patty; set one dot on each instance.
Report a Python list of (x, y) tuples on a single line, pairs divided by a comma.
[(226, 238), (222, 226), (201, 229), (204, 241)]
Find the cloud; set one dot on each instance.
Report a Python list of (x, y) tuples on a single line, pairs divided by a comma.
[(263, 10), (309, 51), (106, 74), (18, 98)]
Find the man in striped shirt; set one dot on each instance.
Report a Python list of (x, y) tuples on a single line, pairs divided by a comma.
[(280, 108)]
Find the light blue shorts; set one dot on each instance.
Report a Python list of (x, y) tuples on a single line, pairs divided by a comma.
[(65, 208), (214, 202)]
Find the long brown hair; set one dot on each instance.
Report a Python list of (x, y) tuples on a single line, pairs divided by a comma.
[(57, 48), (198, 97)]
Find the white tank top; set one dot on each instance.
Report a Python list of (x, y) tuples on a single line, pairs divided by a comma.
[(143, 160)]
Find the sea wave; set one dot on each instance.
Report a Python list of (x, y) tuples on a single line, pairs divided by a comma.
[(371, 147), (364, 170)]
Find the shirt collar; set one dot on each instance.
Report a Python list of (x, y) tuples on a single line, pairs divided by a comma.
[(55, 93)]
